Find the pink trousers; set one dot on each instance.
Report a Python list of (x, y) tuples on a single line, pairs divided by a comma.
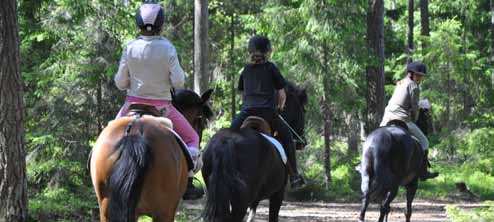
[(180, 124)]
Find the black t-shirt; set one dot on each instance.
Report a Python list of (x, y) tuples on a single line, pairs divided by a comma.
[(259, 84)]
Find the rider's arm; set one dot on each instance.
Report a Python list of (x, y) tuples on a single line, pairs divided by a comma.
[(279, 84), (177, 75), (122, 79), (414, 100), (240, 85)]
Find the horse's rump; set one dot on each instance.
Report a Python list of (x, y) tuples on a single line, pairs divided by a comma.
[(127, 156), (390, 157), (240, 166)]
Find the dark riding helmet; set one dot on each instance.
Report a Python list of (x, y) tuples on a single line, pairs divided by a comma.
[(259, 44), (150, 17), (417, 68)]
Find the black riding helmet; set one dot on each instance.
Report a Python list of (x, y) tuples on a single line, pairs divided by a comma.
[(150, 17), (259, 44), (417, 68)]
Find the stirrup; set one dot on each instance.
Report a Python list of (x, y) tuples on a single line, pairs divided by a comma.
[(297, 182), (192, 192)]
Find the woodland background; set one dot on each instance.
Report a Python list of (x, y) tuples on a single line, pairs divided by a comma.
[(70, 51)]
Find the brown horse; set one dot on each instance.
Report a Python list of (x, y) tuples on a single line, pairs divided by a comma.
[(138, 166)]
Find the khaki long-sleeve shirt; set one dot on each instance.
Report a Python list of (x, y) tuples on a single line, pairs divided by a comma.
[(403, 105)]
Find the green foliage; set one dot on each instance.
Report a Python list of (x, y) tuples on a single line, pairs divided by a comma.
[(473, 166), (481, 214), (71, 49), (60, 204)]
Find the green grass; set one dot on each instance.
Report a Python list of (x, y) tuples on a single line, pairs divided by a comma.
[(484, 214)]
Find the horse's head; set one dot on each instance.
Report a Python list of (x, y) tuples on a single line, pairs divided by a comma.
[(424, 122), (296, 99), (194, 108)]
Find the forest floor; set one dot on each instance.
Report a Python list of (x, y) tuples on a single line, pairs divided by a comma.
[(423, 210)]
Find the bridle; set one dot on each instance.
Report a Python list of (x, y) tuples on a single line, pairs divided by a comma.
[(297, 139)]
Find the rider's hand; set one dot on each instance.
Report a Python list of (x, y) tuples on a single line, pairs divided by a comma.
[(282, 99)]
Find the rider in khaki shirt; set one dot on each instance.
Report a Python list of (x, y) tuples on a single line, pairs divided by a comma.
[(404, 106)]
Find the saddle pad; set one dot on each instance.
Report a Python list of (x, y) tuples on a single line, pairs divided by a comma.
[(278, 146), (167, 123)]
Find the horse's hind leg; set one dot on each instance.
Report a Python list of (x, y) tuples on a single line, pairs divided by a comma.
[(167, 214), (252, 211), (103, 209), (385, 208), (275, 202), (411, 190), (238, 212), (365, 185)]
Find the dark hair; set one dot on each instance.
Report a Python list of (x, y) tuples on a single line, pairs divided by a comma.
[(259, 43)]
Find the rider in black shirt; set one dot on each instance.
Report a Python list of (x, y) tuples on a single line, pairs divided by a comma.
[(263, 92)]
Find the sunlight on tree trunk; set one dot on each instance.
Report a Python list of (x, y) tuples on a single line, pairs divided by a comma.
[(326, 103), (201, 46)]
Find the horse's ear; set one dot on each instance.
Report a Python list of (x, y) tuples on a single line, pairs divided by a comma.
[(303, 96), (172, 92), (206, 95)]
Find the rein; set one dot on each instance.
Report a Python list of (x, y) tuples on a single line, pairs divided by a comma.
[(298, 137)]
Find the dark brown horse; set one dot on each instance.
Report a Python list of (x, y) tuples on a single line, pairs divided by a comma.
[(138, 166), (241, 168)]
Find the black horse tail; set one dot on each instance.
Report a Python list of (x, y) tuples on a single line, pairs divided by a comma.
[(223, 181), (382, 182), (127, 175)]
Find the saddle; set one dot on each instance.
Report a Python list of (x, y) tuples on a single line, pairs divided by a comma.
[(144, 109), (262, 126), (257, 123), (398, 123), (147, 109)]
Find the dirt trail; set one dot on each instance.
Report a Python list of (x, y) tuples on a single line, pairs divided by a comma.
[(423, 211)]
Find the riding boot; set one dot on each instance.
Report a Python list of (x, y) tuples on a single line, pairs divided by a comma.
[(425, 174), (192, 192), (296, 180)]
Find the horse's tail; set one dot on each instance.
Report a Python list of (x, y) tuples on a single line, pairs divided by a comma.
[(224, 179), (126, 179), (376, 169), (383, 181)]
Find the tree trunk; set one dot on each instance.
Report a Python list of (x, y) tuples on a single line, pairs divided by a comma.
[(492, 31), (201, 47), (13, 184), (327, 117), (232, 63), (353, 133), (424, 20), (410, 29), (375, 69)]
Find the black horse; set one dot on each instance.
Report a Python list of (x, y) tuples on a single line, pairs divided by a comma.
[(241, 168), (392, 158)]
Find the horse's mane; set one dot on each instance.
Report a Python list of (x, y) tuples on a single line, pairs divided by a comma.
[(299, 92)]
